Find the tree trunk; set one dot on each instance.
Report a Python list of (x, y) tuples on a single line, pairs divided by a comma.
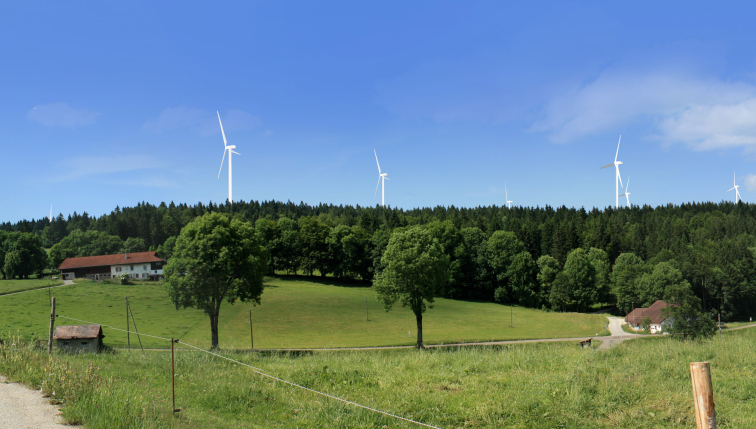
[(419, 318), (214, 329)]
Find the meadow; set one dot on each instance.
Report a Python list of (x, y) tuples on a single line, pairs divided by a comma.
[(11, 286), (295, 313), (638, 384)]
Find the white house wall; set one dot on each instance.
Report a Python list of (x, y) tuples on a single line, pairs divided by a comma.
[(136, 271)]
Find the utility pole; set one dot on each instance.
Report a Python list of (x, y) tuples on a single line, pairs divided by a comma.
[(134, 323), (173, 379), (128, 336), (52, 326)]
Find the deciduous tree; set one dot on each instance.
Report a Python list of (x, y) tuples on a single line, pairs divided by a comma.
[(215, 259)]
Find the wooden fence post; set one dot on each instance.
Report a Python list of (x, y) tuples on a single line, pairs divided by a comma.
[(703, 395), (52, 326)]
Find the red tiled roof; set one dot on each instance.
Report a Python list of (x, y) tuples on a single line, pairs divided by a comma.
[(119, 259), (653, 312), (77, 331)]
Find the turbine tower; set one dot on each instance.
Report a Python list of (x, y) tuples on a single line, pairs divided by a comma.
[(735, 187), (627, 194), (381, 181), (230, 150), (50, 213), (506, 195), (618, 179)]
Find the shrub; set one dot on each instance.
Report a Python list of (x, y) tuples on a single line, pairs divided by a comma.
[(123, 279)]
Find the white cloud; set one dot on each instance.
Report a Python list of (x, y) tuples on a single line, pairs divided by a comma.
[(750, 182), (89, 166), (201, 121), (61, 115), (670, 98), (712, 126)]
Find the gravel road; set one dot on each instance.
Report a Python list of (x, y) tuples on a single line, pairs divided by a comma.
[(24, 408)]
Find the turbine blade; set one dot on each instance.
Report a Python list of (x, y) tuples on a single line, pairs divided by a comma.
[(221, 168), (607, 166), (376, 186), (623, 195), (618, 143), (730, 189), (618, 175), (235, 152), (376, 161), (627, 184), (386, 178), (222, 132)]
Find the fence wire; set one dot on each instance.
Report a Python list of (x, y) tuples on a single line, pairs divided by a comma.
[(260, 372)]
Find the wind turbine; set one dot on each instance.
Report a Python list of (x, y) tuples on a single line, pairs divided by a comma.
[(230, 150), (627, 194), (381, 181), (506, 195), (735, 187), (618, 179), (50, 213)]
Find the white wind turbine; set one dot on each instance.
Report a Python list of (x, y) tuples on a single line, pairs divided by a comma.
[(618, 179), (381, 181), (506, 195), (50, 213), (627, 194), (735, 187), (230, 150)]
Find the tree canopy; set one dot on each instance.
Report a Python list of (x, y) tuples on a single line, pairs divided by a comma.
[(216, 258)]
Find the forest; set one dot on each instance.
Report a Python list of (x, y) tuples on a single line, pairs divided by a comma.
[(561, 259)]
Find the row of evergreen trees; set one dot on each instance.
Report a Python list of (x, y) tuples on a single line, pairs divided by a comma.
[(560, 258)]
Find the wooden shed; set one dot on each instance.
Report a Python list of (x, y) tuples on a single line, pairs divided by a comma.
[(79, 338)]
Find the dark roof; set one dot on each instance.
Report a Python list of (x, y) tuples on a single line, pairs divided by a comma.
[(77, 331), (119, 259), (653, 312)]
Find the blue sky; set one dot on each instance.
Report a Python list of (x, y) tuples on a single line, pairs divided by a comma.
[(113, 104)]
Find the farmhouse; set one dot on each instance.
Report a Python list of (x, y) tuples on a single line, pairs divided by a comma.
[(653, 313), (141, 265), (79, 338)]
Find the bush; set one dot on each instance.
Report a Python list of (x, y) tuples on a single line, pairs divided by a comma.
[(123, 279)]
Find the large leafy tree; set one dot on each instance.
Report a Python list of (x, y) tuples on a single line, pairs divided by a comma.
[(652, 286), (581, 277), (216, 258), (548, 268), (628, 268), (415, 269), (24, 255)]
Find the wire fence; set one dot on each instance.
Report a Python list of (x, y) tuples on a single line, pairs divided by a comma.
[(262, 373)]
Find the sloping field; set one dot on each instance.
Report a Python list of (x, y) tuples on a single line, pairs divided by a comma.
[(11, 286), (294, 313)]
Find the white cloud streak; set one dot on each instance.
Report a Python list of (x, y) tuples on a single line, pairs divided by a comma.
[(200, 121), (91, 166), (750, 182), (61, 115)]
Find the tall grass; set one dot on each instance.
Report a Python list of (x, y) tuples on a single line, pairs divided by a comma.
[(642, 383)]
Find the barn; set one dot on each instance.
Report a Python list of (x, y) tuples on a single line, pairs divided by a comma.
[(79, 338), (140, 265)]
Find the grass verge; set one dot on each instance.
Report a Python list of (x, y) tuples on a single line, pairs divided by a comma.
[(638, 384), (13, 286)]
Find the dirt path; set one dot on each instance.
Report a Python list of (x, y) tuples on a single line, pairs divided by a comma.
[(65, 283), (22, 408)]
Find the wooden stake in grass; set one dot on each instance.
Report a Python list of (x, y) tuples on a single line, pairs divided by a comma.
[(251, 332), (52, 326), (703, 395)]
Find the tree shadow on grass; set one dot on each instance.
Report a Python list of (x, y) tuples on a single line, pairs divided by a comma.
[(325, 281)]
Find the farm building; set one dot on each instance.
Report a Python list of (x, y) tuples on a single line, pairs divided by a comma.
[(657, 321), (79, 338), (141, 265)]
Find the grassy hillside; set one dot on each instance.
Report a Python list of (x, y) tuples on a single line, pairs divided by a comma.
[(294, 313), (11, 286), (641, 383)]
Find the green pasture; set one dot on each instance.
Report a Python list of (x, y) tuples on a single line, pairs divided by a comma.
[(642, 383), (11, 286), (295, 313)]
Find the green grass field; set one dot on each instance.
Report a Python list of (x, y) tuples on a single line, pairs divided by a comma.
[(294, 313), (643, 383), (11, 286)]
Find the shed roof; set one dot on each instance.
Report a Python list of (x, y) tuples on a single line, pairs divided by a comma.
[(119, 259), (653, 312), (77, 331)]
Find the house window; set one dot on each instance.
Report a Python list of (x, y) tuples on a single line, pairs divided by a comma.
[(144, 267), (84, 343), (132, 268), (158, 264), (118, 269), (65, 343)]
